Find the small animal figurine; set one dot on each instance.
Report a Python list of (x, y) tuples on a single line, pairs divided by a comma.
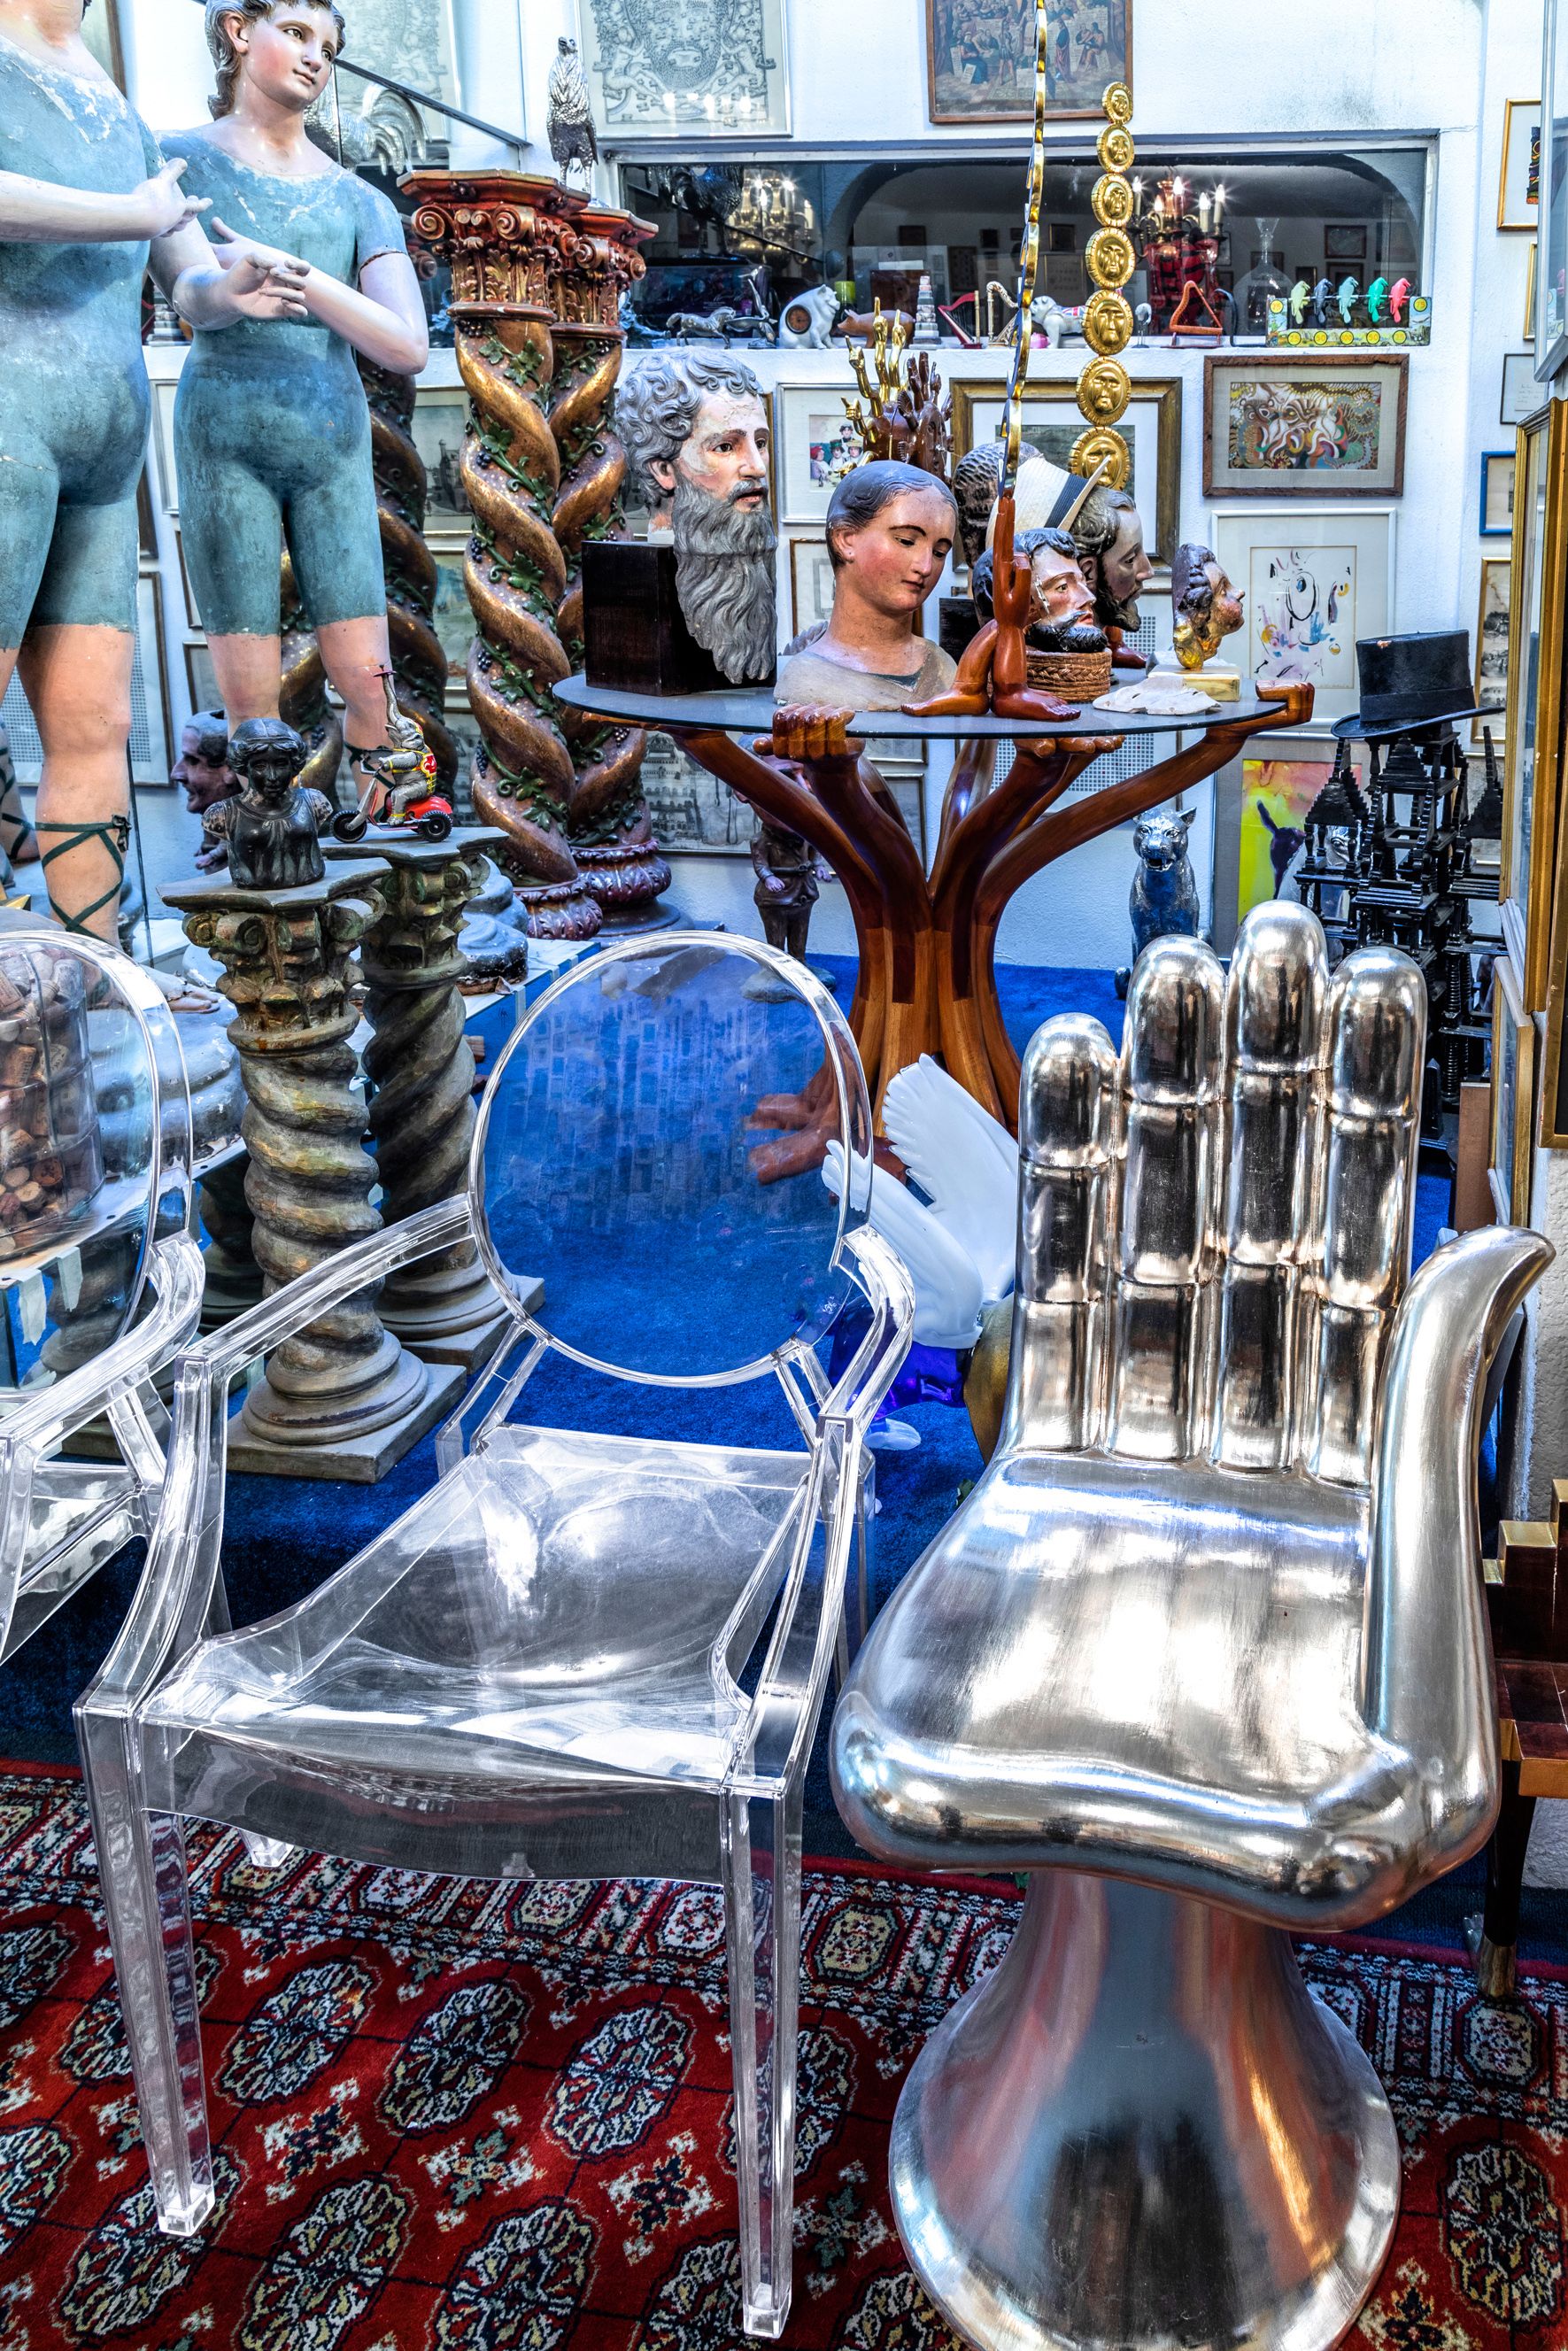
[(1398, 295), (272, 826), (805, 324), (1376, 294), (570, 127), (1286, 843), (1300, 295), (861, 326), (1349, 287), (1164, 900), (1323, 295)]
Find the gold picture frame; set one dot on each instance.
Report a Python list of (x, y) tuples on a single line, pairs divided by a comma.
[(1514, 209), (1530, 293), (1162, 393), (1513, 1094), (1537, 587)]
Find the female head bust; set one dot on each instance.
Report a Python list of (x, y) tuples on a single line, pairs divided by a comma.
[(889, 528), (293, 43)]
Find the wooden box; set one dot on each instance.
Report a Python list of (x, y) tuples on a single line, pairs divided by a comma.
[(635, 635)]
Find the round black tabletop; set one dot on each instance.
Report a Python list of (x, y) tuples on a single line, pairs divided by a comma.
[(743, 713)]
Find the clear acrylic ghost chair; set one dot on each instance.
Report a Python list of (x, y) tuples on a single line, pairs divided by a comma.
[(578, 1655), (1205, 1649), (99, 1283)]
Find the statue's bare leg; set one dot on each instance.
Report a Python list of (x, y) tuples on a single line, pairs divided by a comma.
[(77, 678)]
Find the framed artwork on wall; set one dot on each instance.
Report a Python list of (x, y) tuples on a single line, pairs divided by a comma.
[(979, 60), (1521, 392), (1548, 332), (454, 615), (1314, 584), (1276, 795), (1051, 423), (1519, 187), (1534, 255), (440, 418), (1279, 424), (1491, 647), (708, 69), (810, 584), (1344, 241), (1496, 494), (1537, 587), (693, 812), (815, 441), (1513, 1095)]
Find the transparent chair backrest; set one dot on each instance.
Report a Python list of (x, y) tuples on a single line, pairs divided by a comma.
[(95, 1147), (633, 1151)]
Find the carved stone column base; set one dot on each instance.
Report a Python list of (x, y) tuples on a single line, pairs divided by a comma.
[(627, 878), (357, 1447), (443, 1322)]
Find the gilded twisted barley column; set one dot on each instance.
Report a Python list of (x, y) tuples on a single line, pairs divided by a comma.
[(421, 1066), (497, 230), (418, 658), (612, 831), (302, 701), (342, 1398)]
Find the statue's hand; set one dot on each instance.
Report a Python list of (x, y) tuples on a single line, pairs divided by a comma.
[(258, 289), (161, 204), (235, 250), (807, 733)]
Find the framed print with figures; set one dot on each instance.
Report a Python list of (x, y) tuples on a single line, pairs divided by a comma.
[(1282, 424), (705, 68), (1313, 584), (1519, 188), (979, 59)]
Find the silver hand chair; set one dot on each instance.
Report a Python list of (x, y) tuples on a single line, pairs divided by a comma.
[(1204, 1651), (578, 1655), (93, 1305)]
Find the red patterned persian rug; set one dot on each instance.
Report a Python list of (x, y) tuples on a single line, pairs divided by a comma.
[(455, 2116)]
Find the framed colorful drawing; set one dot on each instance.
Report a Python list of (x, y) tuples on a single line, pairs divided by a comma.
[(1519, 186), (1151, 428), (1537, 584), (979, 59), (1279, 424), (1314, 584), (1496, 494), (1276, 795), (817, 443), (705, 69)]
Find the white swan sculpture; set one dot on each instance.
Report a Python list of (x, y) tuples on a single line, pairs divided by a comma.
[(960, 1250)]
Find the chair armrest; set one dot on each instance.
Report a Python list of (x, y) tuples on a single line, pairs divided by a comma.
[(175, 1599), (871, 1371)]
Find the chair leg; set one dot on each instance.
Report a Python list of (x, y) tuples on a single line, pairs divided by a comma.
[(1493, 1936), (762, 1914), (142, 1867)]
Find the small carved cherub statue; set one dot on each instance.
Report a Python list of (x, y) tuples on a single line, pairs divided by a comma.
[(272, 827), (1205, 610)]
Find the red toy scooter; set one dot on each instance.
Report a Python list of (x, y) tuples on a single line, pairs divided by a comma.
[(402, 796)]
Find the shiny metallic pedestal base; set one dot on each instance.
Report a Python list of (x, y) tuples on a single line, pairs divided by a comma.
[(1143, 2133)]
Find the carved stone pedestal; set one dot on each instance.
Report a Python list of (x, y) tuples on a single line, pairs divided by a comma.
[(421, 1065), (343, 1399)]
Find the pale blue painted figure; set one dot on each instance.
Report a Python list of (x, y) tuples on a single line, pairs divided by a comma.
[(272, 433), (1348, 289), (87, 204)]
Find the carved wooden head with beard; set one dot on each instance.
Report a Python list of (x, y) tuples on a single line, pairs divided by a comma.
[(696, 429)]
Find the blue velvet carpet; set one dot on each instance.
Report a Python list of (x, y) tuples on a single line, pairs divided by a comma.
[(281, 1538)]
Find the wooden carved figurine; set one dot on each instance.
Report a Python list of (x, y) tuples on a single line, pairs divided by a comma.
[(890, 529)]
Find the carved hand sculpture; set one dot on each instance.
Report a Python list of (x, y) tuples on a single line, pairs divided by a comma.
[(1213, 1617)]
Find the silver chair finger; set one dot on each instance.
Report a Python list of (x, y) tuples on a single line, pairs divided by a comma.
[(1069, 1102), (1358, 1259), (1274, 1051), (1166, 1253)]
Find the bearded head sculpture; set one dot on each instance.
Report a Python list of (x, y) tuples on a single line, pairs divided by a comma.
[(695, 426)]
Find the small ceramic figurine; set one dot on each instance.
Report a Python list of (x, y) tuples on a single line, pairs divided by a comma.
[(1376, 293), (695, 432), (1206, 608), (889, 528), (573, 147), (1300, 295), (87, 204), (1349, 287), (272, 827), (401, 794), (1398, 295), (1323, 295), (1163, 902), (272, 433), (787, 879), (806, 321)]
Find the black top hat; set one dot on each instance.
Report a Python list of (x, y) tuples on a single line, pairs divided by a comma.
[(1408, 683)]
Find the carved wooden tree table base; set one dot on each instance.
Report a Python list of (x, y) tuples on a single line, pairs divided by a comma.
[(926, 943)]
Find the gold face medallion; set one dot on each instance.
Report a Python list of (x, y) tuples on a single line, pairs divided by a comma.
[(1109, 257), (1104, 388), (1100, 446), (1107, 323)]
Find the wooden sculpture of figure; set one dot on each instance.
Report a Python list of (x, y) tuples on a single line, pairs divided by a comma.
[(1206, 607), (695, 432), (86, 203), (204, 775), (890, 529), (272, 827), (787, 872), (1062, 608), (1108, 532), (272, 433)]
